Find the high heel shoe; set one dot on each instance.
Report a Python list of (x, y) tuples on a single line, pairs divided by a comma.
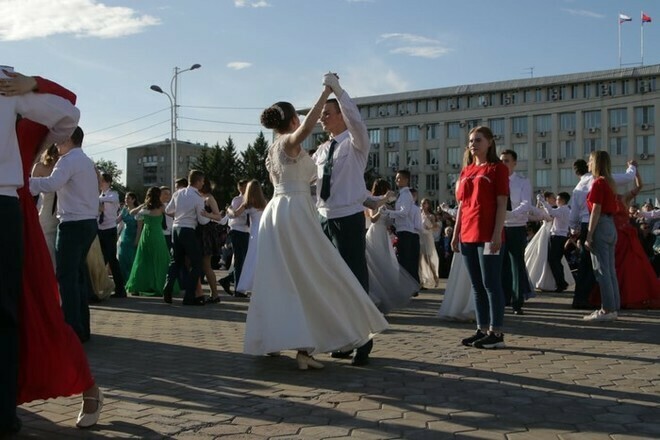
[(86, 420), (306, 361)]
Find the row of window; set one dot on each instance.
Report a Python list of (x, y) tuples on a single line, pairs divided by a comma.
[(512, 97), (592, 120)]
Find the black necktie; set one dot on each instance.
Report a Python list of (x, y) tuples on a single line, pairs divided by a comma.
[(327, 171), (164, 223), (247, 220), (102, 214)]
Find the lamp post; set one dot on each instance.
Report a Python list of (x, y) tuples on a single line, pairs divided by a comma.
[(174, 89)]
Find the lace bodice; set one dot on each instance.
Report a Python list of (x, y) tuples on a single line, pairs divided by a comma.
[(284, 169)]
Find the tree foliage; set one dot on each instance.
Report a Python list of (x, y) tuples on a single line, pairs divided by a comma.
[(110, 167)]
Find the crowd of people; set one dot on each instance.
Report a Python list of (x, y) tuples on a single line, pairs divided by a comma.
[(323, 262)]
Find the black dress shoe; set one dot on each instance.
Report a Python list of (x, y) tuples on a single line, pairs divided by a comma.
[(240, 294), (342, 354), (167, 296), (118, 295), (360, 360), (213, 299), (198, 301), (226, 285), (518, 312)]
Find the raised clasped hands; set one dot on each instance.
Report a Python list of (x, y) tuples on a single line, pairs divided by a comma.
[(16, 84), (331, 80)]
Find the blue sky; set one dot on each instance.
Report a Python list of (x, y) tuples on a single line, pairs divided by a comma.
[(256, 52)]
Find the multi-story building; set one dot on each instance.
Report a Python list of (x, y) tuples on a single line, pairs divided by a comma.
[(549, 121), (151, 164)]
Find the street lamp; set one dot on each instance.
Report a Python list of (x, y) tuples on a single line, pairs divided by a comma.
[(174, 89)]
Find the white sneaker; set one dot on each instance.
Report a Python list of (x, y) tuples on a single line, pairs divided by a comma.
[(601, 315)]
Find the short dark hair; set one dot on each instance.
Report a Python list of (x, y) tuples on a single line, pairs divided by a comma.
[(243, 182), (166, 188), (107, 177), (580, 167), (182, 182), (566, 197), (547, 194), (404, 173), (195, 176), (510, 153), (335, 102), (77, 136)]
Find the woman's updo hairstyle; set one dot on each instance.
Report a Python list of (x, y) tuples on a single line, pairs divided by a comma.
[(278, 116)]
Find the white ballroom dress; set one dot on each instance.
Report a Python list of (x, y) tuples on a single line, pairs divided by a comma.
[(247, 274), (390, 285), (49, 221), (428, 256), (304, 296), (458, 303), (536, 261)]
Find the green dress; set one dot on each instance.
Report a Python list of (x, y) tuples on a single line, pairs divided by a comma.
[(152, 259), (126, 249)]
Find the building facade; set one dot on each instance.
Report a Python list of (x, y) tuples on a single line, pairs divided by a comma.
[(549, 121), (151, 164)]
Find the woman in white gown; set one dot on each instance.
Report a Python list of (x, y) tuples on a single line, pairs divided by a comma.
[(390, 285), (254, 204), (428, 256), (458, 303), (536, 257), (48, 201), (304, 296)]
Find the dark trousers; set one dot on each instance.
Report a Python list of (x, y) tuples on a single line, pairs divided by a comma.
[(584, 278), (555, 254), (108, 241), (485, 276), (348, 235), (515, 281), (407, 247), (185, 244), (239, 242), (11, 272), (71, 248)]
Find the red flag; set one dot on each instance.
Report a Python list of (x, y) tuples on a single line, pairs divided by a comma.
[(646, 18)]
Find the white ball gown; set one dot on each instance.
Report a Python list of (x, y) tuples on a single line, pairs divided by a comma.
[(304, 295), (536, 261), (249, 265), (390, 285), (49, 221), (428, 256), (458, 303)]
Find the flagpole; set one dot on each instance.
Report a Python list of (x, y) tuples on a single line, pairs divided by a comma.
[(641, 42), (619, 21)]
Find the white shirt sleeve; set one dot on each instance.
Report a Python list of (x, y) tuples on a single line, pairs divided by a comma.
[(56, 113), (354, 123), (58, 178)]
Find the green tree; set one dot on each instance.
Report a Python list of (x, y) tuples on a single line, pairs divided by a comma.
[(254, 164), (110, 167)]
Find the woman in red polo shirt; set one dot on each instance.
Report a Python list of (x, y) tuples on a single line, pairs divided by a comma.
[(482, 193), (601, 235)]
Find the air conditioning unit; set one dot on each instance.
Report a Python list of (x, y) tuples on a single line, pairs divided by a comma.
[(421, 126), (497, 137), (593, 130), (434, 167), (381, 113), (519, 135), (604, 90), (431, 193), (615, 129), (394, 167), (452, 106), (645, 126), (390, 145), (644, 156), (554, 95), (542, 133), (484, 101), (547, 161), (571, 132), (644, 87), (462, 124), (455, 166), (508, 100), (561, 160)]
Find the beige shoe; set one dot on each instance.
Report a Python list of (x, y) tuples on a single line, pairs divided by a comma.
[(86, 420), (305, 362)]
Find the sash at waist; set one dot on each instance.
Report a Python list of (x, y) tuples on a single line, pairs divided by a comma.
[(292, 187)]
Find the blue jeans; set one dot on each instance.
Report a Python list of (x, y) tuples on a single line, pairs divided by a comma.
[(71, 248), (602, 258), (486, 277)]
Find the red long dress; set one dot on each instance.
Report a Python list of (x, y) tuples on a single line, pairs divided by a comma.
[(52, 360), (639, 287)]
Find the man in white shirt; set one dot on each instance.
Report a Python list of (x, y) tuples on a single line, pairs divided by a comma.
[(75, 179), (61, 117), (558, 234), (406, 222), (515, 280), (108, 209), (187, 206), (579, 224), (239, 236), (341, 188)]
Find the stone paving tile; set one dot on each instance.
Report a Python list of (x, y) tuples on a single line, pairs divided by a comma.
[(173, 372)]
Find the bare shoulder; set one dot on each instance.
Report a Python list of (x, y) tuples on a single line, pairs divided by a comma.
[(41, 170)]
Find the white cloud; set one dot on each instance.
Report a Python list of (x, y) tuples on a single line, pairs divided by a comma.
[(239, 65), (414, 45), (361, 81), (253, 4), (27, 19), (583, 13)]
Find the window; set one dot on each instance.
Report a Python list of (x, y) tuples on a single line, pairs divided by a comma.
[(527, 96), (421, 107), (412, 158), (374, 137), (618, 117), (373, 111), (414, 181), (391, 109), (542, 179), (410, 107), (567, 177), (454, 156), (592, 119), (453, 130), (392, 134), (162, 158), (647, 172), (451, 181), (393, 159), (567, 149), (497, 126), (473, 123), (432, 182), (364, 112), (591, 145), (586, 90), (412, 133), (644, 115), (646, 145), (432, 105), (374, 160), (574, 91), (519, 124), (521, 151), (433, 156), (567, 121), (543, 123), (538, 95), (619, 146), (432, 131), (543, 150)]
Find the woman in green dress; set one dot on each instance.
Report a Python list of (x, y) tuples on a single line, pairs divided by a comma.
[(128, 238), (152, 258)]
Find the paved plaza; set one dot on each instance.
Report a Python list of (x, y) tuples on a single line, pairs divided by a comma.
[(178, 372)]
